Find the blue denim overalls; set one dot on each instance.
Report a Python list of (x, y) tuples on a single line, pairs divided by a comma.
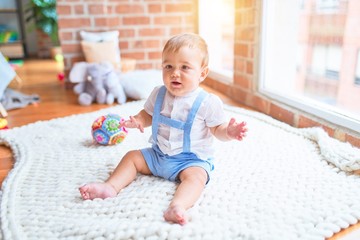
[(166, 166)]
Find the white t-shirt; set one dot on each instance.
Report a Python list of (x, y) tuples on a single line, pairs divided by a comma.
[(210, 114)]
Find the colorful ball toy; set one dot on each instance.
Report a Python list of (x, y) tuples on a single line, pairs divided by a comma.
[(107, 130)]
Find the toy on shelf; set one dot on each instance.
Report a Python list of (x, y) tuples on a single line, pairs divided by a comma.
[(107, 129), (8, 36), (3, 124), (59, 57), (61, 76)]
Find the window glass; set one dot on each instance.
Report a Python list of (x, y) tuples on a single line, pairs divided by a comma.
[(216, 26), (309, 54)]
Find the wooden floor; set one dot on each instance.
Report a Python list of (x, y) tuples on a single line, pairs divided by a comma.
[(40, 77)]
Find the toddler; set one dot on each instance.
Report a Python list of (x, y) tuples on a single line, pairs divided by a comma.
[(184, 118)]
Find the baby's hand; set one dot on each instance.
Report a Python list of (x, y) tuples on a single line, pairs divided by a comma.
[(236, 130), (132, 123)]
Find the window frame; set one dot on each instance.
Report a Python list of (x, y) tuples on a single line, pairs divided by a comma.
[(357, 70), (318, 109)]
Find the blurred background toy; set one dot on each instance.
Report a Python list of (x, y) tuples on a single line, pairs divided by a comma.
[(3, 124), (96, 82), (107, 129)]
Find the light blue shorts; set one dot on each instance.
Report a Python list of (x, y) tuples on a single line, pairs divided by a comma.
[(169, 167)]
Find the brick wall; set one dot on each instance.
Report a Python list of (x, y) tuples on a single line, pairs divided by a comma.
[(143, 25)]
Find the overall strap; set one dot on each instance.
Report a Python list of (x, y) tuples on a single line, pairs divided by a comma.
[(156, 114), (190, 120)]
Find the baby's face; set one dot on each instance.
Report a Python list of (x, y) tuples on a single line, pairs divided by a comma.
[(182, 71)]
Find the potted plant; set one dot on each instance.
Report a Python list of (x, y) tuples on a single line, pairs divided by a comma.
[(44, 17)]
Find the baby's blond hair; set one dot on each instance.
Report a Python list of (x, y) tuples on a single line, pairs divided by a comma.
[(190, 40)]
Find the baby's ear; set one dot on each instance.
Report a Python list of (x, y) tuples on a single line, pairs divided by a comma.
[(204, 73)]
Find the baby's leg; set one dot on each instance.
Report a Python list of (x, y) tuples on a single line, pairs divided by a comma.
[(192, 183), (125, 172)]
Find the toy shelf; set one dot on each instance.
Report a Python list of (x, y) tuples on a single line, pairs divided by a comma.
[(12, 34)]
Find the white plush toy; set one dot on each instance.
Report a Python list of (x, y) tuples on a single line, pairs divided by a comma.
[(96, 82)]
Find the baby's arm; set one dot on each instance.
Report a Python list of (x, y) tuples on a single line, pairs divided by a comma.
[(140, 121), (229, 131)]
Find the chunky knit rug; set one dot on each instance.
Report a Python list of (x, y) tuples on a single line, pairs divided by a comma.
[(279, 183)]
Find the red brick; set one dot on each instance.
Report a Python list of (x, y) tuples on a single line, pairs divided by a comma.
[(77, 23), (241, 50), (252, 51), (154, 55), (129, 8), (190, 18), (62, 2), (245, 18), (219, 86), (281, 114), (71, 48), (167, 20), (249, 17), (176, 30), (124, 45), (237, 94), (97, 9), (240, 4), (92, 1), (79, 9), (151, 32), (74, 60), (63, 10), (108, 22), (155, 8), (135, 55), (249, 67), (125, 33), (136, 20), (177, 7), (65, 36), (147, 44), (245, 34), (238, 19), (353, 140), (242, 81), (144, 66), (240, 65), (306, 122), (260, 104)]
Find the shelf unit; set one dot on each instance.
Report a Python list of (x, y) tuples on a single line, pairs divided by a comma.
[(12, 34)]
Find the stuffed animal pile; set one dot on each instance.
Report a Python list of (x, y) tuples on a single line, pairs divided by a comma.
[(97, 82)]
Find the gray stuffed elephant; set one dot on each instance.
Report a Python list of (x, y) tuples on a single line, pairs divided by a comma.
[(96, 82), (114, 89)]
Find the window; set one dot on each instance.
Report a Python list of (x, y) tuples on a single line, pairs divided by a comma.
[(327, 6), (309, 57), (326, 61), (357, 71), (216, 26)]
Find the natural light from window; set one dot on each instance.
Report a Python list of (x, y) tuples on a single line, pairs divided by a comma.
[(310, 57), (216, 26)]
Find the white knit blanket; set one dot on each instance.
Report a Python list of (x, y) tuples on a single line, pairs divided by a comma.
[(279, 183)]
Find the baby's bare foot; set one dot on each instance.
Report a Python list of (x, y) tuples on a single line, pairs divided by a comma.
[(176, 214), (97, 190)]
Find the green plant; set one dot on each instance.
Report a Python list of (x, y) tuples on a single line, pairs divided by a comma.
[(43, 13)]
